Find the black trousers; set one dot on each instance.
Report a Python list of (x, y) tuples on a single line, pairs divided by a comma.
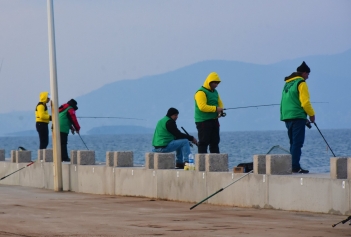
[(43, 131), (64, 140), (208, 134)]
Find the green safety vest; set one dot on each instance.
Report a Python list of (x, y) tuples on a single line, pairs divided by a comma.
[(65, 122), (212, 99), (162, 137), (290, 107)]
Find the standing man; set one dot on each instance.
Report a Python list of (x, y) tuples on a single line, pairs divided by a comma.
[(42, 119), (68, 121), (208, 108), (168, 138), (294, 108)]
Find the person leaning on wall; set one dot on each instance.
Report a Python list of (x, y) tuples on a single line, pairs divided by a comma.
[(42, 119)]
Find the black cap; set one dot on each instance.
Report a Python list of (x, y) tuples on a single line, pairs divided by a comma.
[(303, 68), (73, 103), (172, 111)]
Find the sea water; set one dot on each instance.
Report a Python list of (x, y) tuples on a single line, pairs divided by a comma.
[(240, 146)]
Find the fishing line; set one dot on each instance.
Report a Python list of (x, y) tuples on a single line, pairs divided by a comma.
[(112, 117), (255, 106)]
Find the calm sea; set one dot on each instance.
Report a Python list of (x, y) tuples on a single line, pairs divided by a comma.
[(240, 146)]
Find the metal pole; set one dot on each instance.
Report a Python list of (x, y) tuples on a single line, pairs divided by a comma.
[(54, 101)]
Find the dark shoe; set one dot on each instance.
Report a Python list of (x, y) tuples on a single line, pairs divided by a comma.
[(301, 171), (179, 165), (67, 160)]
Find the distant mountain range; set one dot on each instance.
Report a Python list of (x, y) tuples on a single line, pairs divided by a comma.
[(243, 84)]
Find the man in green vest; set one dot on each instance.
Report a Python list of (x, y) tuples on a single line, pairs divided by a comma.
[(208, 108), (294, 108), (168, 138), (68, 121)]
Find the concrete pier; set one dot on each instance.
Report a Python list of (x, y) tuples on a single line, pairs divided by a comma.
[(78, 214), (294, 192)]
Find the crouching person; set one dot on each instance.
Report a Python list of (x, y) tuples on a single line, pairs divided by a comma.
[(168, 138)]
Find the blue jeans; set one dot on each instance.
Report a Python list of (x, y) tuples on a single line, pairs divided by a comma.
[(296, 133), (180, 146)]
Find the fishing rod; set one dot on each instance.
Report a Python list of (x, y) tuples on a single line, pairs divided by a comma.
[(277, 146), (83, 141), (344, 221), (324, 138), (255, 106), (31, 163), (188, 135), (111, 117), (220, 190)]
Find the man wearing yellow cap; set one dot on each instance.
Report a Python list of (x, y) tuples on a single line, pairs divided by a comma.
[(42, 119)]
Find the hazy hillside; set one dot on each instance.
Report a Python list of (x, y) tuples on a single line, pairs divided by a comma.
[(243, 84)]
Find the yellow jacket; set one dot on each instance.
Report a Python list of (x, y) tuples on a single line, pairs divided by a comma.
[(304, 97), (41, 111), (200, 96)]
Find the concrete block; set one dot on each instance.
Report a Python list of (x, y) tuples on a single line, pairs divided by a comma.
[(86, 157), (216, 162), (338, 167), (74, 157), (123, 159), (40, 154), (164, 161), (149, 160), (278, 164), (96, 179), (200, 160), (110, 158), (136, 181), (2, 155), (13, 156), (48, 155), (348, 168), (181, 185), (259, 163), (23, 156)]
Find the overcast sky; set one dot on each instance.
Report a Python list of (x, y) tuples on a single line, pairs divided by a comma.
[(102, 41)]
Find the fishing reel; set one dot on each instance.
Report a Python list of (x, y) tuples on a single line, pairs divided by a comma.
[(223, 114), (308, 124)]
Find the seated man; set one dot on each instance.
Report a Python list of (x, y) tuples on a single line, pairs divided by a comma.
[(168, 138)]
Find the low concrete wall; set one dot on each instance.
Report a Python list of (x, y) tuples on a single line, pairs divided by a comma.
[(313, 192)]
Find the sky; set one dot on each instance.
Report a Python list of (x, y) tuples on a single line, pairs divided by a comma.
[(102, 41)]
